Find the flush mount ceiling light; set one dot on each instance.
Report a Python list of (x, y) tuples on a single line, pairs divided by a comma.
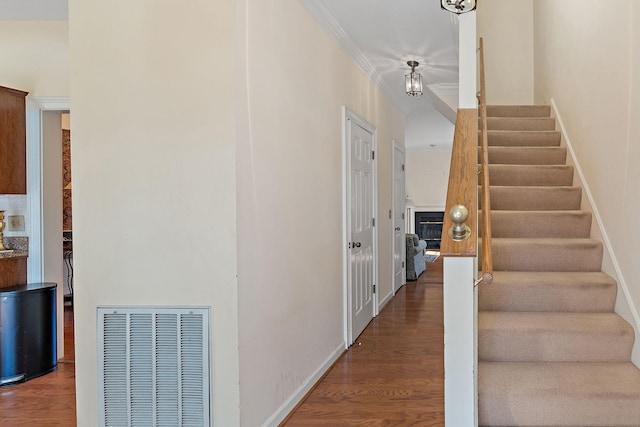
[(458, 6), (413, 80)]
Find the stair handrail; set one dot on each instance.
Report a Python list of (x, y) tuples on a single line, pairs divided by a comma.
[(487, 253)]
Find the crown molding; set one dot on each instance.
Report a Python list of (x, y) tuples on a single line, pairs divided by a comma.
[(325, 18)]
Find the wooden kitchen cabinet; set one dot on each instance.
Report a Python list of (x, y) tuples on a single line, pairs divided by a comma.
[(13, 144), (13, 271)]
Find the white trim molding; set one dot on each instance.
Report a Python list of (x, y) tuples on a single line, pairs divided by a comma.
[(35, 107), (297, 396), (323, 16)]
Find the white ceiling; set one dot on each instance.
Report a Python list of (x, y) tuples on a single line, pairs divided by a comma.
[(34, 10), (380, 36)]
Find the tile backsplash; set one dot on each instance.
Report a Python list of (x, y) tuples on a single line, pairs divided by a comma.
[(13, 205), (17, 243)]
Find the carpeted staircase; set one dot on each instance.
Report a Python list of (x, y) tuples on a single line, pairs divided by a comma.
[(552, 352)]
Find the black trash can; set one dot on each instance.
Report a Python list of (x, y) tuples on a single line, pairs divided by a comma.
[(28, 332)]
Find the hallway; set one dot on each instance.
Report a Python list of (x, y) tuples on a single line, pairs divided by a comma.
[(393, 375)]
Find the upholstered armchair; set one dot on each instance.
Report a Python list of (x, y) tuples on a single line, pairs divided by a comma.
[(415, 256)]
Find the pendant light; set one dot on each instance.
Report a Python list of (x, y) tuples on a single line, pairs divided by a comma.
[(413, 80), (458, 6)]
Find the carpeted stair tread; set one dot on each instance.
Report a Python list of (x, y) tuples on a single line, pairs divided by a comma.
[(514, 223), (559, 394), (543, 291), (546, 254), (535, 198), (530, 175), (521, 123), (553, 337), (518, 110), (526, 155), (513, 138)]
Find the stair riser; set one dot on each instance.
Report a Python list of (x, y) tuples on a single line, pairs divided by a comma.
[(535, 198), (520, 124), (519, 394), (505, 138), (511, 175), (534, 297), (561, 224), (557, 348), (526, 155), (518, 110), (546, 299), (516, 255), (554, 340)]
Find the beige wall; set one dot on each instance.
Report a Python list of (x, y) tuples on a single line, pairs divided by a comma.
[(35, 57), (52, 206), (290, 201), (508, 59), (427, 178), (253, 107), (154, 174), (588, 61)]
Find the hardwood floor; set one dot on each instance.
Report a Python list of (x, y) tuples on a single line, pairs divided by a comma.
[(394, 374), (49, 400), (392, 377)]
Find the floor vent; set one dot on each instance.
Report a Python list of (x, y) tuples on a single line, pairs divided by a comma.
[(154, 366)]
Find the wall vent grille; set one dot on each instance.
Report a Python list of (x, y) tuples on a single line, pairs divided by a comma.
[(153, 366)]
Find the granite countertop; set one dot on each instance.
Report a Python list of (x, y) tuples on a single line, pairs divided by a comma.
[(18, 247), (16, 253)]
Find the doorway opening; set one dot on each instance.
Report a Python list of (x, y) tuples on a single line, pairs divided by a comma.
[(45, 200)]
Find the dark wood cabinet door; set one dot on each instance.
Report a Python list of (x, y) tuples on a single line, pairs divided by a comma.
[(13, 271), (13, 148)]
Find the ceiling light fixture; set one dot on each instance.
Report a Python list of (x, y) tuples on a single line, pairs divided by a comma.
[(413, 80), (458, 6)]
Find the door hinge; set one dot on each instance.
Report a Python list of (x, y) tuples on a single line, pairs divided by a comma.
[(402, 264), (373, 155), (373, 222), (402, 168), (402, 215), (374, 288)]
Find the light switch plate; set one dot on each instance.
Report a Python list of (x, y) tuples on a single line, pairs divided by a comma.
[(15, 223)]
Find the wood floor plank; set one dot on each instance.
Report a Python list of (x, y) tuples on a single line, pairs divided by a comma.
[(393, 378), (46, 401), (394, 374)]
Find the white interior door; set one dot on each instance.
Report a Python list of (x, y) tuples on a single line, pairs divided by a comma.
[(361, 223), (399, 241)]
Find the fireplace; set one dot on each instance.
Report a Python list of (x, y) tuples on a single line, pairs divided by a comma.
[(429, 228)]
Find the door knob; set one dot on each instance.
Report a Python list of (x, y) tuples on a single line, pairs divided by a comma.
[(357, 244), (397, 228)]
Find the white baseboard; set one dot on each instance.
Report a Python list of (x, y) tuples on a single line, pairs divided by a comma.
[(634, 318), (304, 388), (385, 300)]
